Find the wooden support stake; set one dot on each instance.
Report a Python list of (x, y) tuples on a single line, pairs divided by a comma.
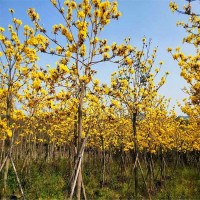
[(17, 177), (77, 160), (3, 162), (84, 193), (74, 184), (144, 179)]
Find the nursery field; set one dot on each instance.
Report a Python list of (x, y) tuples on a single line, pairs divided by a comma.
[(66, 133)]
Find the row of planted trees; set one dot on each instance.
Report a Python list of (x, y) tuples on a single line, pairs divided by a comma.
[(63, 111)]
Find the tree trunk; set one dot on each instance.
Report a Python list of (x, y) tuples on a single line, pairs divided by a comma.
[(5, 178), (135, 152), (7, 143), (103, 162), (80, 123)]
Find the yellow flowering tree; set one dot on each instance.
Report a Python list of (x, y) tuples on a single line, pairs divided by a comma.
[(190, 67), (81, 27), (190, 64), (16, 59), (133, 86)]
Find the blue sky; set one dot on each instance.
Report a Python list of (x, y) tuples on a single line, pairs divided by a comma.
[(150, 18)]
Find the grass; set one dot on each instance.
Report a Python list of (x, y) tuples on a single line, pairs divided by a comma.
[(51, 180), (185, 184)]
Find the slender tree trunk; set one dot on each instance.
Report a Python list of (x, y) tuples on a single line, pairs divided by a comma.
[(2, 151), (135, 152), (5, 178), (151, 170), (162, 164), (80, 122), (7, 144), (75, 136), (122, 163), (103, 162)]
